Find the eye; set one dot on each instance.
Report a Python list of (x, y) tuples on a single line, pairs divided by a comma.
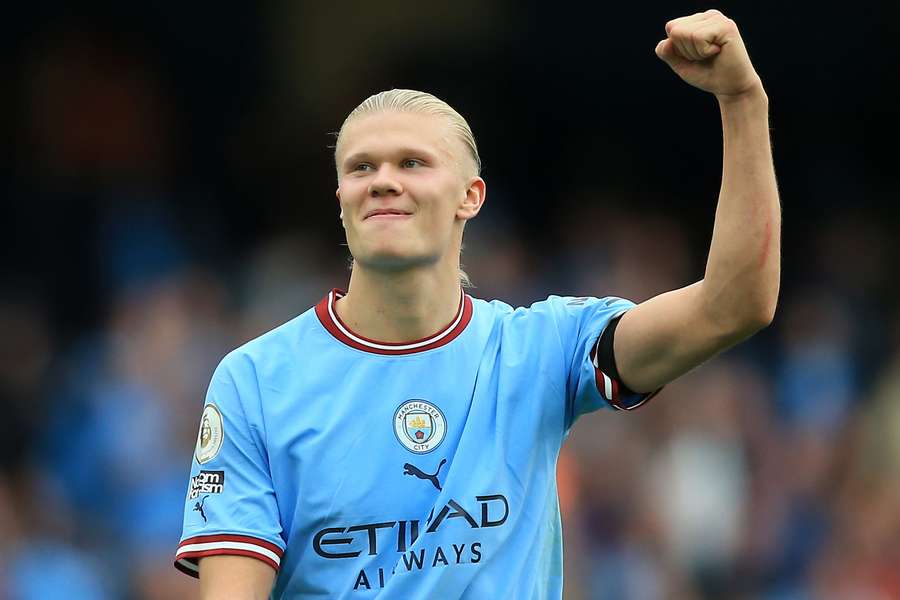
[(412, 163), (363, 167)]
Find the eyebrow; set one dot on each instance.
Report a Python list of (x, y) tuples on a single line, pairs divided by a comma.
[(406, 152)]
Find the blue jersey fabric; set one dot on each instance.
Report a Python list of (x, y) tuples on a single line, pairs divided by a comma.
[(360, 469)]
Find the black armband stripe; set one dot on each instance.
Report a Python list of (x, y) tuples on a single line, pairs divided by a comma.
[(609, 382)]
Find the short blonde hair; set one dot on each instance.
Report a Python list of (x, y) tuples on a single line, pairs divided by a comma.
[(416, 102)]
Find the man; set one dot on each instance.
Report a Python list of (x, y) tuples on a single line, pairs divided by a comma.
[(339, 459)]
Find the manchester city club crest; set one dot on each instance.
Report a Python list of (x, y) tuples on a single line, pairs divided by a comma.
[(420, 426)]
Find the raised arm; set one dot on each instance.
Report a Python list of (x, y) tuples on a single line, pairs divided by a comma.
[(670, 334)]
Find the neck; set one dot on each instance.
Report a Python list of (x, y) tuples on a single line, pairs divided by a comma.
[(400, 306)]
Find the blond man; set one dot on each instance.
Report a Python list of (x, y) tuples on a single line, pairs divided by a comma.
[(399, 439)]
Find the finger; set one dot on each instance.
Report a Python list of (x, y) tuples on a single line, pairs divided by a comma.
[(666, 51), (680, 32), (699, 40), (718, 33), (707, 41), (682, 21), (684, 45), (694, 18), (711, 14)]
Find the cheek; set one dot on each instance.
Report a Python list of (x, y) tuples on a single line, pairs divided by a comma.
[(351, 193), (442, 215)]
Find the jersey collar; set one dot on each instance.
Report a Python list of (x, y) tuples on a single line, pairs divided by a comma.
[(332, 322)]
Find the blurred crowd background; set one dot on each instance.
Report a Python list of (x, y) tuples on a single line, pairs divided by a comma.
[(168, 194)]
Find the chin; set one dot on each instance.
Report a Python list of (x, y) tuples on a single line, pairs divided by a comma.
[(393, 259)]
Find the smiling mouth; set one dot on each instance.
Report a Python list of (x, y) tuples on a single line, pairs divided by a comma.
[(387, 215)]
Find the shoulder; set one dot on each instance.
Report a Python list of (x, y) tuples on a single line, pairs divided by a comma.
[(556, 319), (500, 309), (553, 307), (278, 345), (534, 322)]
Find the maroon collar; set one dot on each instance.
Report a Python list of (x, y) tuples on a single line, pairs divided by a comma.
[(332, 322)]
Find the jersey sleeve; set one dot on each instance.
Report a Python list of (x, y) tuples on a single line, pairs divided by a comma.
[(592, 380), (231, 506)]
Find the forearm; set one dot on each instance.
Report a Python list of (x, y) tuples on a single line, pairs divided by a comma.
[(740, 286), (668, 335)]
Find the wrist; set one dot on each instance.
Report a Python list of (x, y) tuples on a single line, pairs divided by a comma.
[(755, 96)]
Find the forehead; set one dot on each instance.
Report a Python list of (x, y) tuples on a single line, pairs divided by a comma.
[(387, 131)]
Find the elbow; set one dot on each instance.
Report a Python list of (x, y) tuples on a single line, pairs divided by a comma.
[(759, 318), (766, 316), (759, 307), (766, 312), (753, 314), (742, 314)]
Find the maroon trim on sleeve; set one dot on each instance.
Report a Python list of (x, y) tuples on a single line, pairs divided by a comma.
[(192, 549)]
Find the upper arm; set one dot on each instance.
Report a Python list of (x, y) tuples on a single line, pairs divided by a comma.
[(577, 325), (235, 578), (670, 334), (231, 506)]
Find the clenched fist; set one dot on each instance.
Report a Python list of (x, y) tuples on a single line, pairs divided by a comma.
[(706, 50)]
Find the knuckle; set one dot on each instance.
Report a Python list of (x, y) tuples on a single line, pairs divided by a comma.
[(713, 11)]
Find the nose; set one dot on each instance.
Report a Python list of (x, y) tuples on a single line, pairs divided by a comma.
[(385, 183)]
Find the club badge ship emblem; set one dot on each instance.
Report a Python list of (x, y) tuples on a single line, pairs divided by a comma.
[(420, 426)]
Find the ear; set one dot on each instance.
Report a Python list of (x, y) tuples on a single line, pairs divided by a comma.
[(476, 194), (337, 194)]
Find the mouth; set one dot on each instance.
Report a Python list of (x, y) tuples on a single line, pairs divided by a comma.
[(386, 214)]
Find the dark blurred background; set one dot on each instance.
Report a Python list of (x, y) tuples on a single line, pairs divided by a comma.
[(168, 193)]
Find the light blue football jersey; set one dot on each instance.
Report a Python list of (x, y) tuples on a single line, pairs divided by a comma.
[(360, 469)]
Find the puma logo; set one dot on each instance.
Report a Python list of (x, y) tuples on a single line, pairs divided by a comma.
[(409, 469), (198, 506)]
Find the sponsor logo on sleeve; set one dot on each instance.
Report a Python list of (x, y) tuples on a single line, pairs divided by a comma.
[(198, 507), (211, 435), (206, 482)]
